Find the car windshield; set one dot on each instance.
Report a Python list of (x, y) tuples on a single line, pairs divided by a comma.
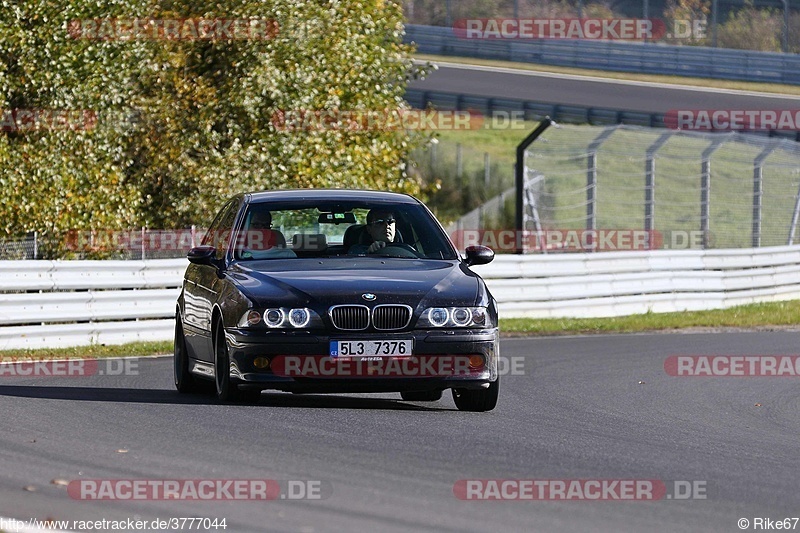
[(295, 230)]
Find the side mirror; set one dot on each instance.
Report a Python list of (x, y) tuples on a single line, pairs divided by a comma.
[(479, 255), (202, 255)]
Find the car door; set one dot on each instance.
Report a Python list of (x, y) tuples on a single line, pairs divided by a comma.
[(201, 284)]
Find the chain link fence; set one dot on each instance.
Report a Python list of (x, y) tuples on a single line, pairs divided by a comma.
[(682, 189), (133, 244)]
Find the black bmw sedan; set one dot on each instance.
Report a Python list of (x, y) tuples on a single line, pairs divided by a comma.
[(335, 291)]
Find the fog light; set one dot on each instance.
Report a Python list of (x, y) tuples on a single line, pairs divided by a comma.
[(261, 363), (476, 361)]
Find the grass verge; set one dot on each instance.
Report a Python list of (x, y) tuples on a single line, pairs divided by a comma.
[(733, 85), (762, 315), (93, 351), (753, 316)]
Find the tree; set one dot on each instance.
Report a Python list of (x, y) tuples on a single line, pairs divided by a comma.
[(752, 29), (684, 15), (182, 124)]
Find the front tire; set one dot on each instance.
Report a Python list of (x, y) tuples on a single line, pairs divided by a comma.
[(478, 400), (185, 382), (227, 389)]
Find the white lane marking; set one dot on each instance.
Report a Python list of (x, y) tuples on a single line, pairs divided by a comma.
[(577, 77)]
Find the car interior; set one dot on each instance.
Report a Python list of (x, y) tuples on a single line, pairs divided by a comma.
[(318, 233)]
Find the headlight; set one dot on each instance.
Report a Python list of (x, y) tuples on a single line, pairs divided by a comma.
[(281, 317), (454, 317), (274, 317), (299, 317)]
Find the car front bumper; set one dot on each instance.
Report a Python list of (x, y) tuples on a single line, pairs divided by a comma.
[(301, 361)]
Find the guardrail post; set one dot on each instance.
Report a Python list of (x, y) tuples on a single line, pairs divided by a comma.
[(758, 190), (650, 181), (591, 179)]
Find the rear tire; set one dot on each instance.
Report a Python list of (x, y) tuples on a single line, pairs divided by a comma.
[(422, 396), (185, 382), (478, 400)]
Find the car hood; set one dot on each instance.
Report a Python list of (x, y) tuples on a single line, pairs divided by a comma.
[(325, 282)]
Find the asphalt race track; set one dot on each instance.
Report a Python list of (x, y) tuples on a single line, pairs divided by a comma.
[(594, 407), (584, 91)]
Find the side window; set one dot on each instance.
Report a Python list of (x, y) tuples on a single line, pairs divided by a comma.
[(219, 233)]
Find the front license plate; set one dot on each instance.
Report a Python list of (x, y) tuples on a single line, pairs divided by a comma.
[(387, 348)]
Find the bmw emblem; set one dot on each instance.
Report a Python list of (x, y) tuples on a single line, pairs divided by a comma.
[(368, 296)]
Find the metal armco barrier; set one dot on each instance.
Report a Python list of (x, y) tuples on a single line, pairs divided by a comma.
[(697, 61), (71, 303)]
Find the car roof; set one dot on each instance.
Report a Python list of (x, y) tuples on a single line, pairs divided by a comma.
[(336, 195)]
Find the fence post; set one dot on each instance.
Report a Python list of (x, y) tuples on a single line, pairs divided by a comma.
[(519, 175), (459, 163), (143, 245), (758, 189), (36, 245), (530, 198), (714, 23), (486, 173), (705, 189), (650, 181), (795, 216), (591, 179)]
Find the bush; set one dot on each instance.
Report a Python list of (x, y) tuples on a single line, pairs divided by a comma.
[(183, 124), (752, 29)]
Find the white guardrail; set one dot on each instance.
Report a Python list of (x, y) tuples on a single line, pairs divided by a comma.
[(70, 303)]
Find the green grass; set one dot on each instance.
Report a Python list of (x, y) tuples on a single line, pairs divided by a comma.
[(96, 350), (653, 78), (762, 315), (754, 316)]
